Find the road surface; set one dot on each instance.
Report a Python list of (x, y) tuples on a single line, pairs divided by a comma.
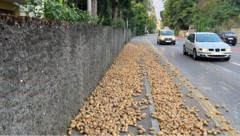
[(217, 80)]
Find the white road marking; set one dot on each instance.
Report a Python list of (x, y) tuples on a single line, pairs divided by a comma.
[(230, 71), (228, 87), (235, 63)]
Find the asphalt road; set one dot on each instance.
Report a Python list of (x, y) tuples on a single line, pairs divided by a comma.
[(217, 80)]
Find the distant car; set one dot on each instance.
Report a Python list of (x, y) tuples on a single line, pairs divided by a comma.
[(229, 37), (166, 37), (206, 45)]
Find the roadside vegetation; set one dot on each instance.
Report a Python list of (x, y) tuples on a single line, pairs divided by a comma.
[(203, 14), (118, 13)]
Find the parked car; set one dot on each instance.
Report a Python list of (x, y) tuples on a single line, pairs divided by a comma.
[(166, 37), (206, 45), (229, 37)]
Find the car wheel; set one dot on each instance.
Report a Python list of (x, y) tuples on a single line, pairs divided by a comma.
[(233, 44), (173, 43), (195, 57), (184, 50)]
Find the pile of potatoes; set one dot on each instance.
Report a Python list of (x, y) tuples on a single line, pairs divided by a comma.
[(174, 117), (111, 108)]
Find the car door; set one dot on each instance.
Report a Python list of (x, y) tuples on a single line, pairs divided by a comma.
[(223, 37), (192, 43), (189, 43)]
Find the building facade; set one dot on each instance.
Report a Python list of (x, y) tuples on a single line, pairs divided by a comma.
[(10, 7)]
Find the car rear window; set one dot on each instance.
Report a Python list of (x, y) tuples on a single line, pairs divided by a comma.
[(166, 33), (207, 38), (230, 34)]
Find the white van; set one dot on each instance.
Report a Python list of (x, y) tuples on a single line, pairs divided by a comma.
[(166, 37)]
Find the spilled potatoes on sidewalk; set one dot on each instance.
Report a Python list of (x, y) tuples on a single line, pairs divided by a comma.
[(112, 107)]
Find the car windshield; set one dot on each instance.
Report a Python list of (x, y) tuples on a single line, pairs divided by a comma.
[(166, 32), (230, 34), (207, 38)]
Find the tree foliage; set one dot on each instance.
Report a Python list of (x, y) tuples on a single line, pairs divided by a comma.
[(123, 12), (113, 11), (213, 13), (178, 14), (203, 14), (151, 23), (59, 10), (139, 18), (117, 13)]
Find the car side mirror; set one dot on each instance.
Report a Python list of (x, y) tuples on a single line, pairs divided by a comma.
[(191, 40)]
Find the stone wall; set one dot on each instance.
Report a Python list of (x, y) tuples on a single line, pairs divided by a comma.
[(48, 69)]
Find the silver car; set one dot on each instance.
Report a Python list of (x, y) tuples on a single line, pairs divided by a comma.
[(206, 45)]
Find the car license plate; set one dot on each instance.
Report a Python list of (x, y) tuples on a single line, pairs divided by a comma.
[(167, 41), (230, 38), (216, 53)]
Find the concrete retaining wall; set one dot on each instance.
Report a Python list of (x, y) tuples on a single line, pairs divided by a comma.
[(48, 69)]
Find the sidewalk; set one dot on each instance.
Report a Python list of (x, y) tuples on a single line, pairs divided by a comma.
[(143, 94)]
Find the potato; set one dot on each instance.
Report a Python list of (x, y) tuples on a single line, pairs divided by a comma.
[(113, 107)]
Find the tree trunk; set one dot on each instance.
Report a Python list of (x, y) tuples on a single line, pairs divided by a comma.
[(115, 13), (115, 10), (89, 6), (120, 13), (94, 8)]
